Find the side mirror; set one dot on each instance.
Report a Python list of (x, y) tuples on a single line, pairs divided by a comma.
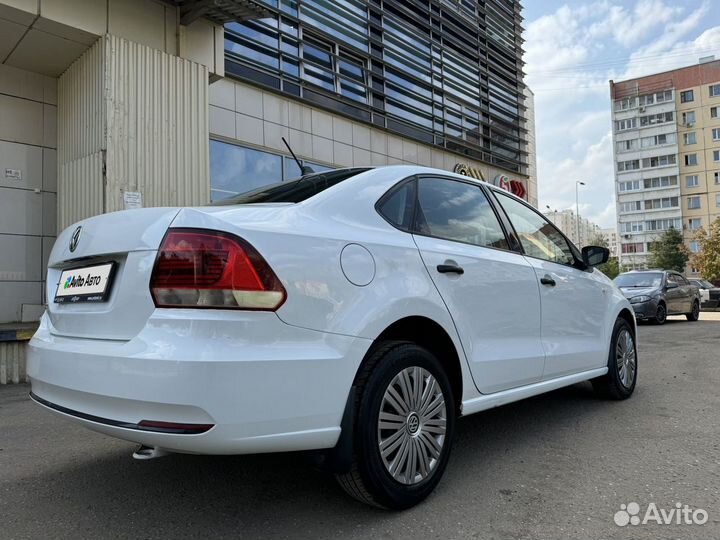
[(671, 286), (595, 255)]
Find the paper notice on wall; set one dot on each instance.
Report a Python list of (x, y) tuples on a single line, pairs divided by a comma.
[(13, 173), (132, 200)]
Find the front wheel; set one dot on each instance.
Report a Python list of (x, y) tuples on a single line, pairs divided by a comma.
[(619, 382), (404, 428), (660, 314), (694, 315)]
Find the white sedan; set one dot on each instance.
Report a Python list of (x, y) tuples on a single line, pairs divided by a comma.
[(357, 313)]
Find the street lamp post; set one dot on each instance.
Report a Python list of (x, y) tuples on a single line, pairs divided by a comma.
[(577, 210)]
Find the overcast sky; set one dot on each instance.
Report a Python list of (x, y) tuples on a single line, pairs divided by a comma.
[(572, 50)]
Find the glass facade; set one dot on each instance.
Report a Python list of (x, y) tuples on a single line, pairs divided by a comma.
[(442, 72), (236, 169)]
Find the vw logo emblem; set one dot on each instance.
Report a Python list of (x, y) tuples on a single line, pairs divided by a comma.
[(413, 423), (75, 238)]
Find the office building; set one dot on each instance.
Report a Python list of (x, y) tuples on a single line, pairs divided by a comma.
[(115, 104)]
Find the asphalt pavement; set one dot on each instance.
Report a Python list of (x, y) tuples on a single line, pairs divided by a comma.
[(555, 466)]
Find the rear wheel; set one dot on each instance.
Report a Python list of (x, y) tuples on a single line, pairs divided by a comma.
[(660, 314), (619, 382), (694, 315), (403, 429)]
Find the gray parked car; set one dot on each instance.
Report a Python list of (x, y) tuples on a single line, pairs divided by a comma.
[(655, 294)]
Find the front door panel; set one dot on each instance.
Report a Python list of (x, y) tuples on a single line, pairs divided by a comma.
[(574, 313)]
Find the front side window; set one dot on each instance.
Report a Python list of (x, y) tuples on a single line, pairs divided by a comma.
[(457, 211), (539, 237)]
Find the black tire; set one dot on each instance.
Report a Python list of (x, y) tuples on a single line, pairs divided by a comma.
[(369, 480), (611, 385), (694, 315), (660, 314)]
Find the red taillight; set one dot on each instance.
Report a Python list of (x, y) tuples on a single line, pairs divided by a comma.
[(197, 268)]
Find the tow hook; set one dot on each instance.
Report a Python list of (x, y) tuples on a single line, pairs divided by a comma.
[(149, 452)]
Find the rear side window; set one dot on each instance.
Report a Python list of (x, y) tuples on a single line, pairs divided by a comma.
[(457, 211), (398, 208)]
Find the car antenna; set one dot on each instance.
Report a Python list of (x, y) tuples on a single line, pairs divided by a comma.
[(304, 169)]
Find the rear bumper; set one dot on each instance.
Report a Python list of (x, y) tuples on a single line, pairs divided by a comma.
[(262, 385)]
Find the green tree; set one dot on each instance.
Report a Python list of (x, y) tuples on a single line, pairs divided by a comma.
[(669, 252), (707, 260), (611, 268)]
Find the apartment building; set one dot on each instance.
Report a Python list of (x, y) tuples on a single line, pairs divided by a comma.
[(666, 141), (580, 231), (611, 238)]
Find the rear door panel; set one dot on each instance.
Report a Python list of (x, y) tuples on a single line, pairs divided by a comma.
[(495, 307)]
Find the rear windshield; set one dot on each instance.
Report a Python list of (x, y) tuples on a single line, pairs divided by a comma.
[(639, 279), (294, 191)]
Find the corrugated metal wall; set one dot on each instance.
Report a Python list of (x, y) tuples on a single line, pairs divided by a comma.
[(82, 125), (131, 118), (157, 127)]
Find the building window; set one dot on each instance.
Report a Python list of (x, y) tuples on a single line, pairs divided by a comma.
[(345, 20), (714, 90), (690, 138), (658, 140), (632, 206), (334, 69), (717, 200), (665, 202), (628, 123), (717, 177), (694, 224), (694, 247), (663, 224), (626, 146), (714, 112), (625, 104), (630, 165), (631, 227), (691, 160), (654, 119), (693, 203), (631, 185), (633, 247), (688, 118), (692, 180), (716, 155), (716, 134), (659, 161), (657, 97), (686, 96), (660, 181), (236, 169)]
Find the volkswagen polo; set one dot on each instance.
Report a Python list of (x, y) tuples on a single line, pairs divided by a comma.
[(356, 313)]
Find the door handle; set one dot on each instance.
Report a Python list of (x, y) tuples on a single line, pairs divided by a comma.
[(547, 280), (450, 269)]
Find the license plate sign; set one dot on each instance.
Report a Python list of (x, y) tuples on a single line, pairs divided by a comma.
[(86, 284)]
